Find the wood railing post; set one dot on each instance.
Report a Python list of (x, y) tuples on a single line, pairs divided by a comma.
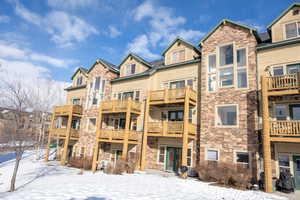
[(266, 135), (185, 131), (298, 79), (67, 139), (98, 132), (49, 138), (165, 128), (145, 135), (127, 129)]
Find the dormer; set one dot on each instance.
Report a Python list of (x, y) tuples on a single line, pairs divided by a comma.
[(133, 64), (79, 77), (287, 25), (180, 51)]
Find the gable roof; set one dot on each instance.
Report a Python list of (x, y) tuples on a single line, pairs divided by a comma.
[(282, 14), (83, 70), (181, 40), (136, 57), (107, 64), (224, 21)]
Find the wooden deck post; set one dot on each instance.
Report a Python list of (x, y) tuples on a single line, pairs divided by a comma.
[(185, 130), (266, 135), (49, 139), (298, 79), (98, 132), (145, 135), (67, 139), (127, 129)]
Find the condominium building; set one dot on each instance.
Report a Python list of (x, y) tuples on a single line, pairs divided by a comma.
[(233, 98)]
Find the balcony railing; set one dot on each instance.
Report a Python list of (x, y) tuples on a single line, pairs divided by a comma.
[(62, 133), (67, 109), (118, 135), (172, 129), (283, 82), (120, 106), (171, 95), (285, 128)]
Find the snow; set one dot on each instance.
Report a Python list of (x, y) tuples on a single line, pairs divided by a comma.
[(37, 180)]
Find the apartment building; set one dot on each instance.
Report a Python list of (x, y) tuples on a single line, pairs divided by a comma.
[(279, 64), (231, 99)]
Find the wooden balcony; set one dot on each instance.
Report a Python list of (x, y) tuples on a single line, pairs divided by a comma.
[(285, 130), (120, 106), (168, 96), (283, 84), (117, 136), (61, 133), (67, 110), (170, 129)]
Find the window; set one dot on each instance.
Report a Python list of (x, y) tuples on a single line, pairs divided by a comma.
[(212, 82), (76, 101), (189, 157), (190, 83), (241, 57), (212, 155), (190, 115), (161, 157), (137, 95), (242, 157), (293, 68), (242, 78), (134, 126), (226, 77), (284, 163), (280, 112), (103, 86), (92, 124), (178, 56), (212, 63), (177, 84), (97, 83), (130, 69), (277, 71), (116, 124), (291, 30), (127, 95), (95, 101), (226, 55), (75, 124), (176, 115), (79, 81), (122, 124), (227, 115)]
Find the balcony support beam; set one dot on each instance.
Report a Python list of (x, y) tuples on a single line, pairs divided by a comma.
[(96, 148), (49, 139), (145, 136), (67, 139), (127, 127), (185, 131), (266, 136)]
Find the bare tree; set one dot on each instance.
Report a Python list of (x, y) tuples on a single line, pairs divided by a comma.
[(18, 137)]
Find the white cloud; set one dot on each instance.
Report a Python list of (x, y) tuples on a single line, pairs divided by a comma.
[(164, 25), (13, 51), (64, 29), (140, 46), (113, 32), (4, 19), (71, 4)]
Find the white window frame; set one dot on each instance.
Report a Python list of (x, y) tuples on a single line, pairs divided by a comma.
[(245, 67), (242, 151), (158, 154), (88, 124), (217, 116), (129, 66), (177, 59), (212, 149), (283, 65), (297, 27)]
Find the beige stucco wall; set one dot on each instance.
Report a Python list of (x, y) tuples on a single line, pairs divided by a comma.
[(278, 29), (77, 93), (189, 52), (139, 67), (78, 74)]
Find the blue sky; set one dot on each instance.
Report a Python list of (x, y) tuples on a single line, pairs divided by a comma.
[(51, 38)]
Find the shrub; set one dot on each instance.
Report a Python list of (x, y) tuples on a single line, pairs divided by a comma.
[(229, 174), (81, 163)]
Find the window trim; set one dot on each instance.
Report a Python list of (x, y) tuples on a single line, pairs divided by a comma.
[(283, 65), (217, 116), (212, 149), (158, 154), (242, 151), (88, 124), (297, 29), (178, 50)]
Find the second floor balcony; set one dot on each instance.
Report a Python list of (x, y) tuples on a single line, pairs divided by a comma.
[(285, 130), (283, 84), (121, 106), (170, 129), (67, 110), (177, 95), (118, 136), (61, 133)]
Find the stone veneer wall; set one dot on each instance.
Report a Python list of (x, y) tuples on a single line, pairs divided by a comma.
[(229, 140), (87, 139)]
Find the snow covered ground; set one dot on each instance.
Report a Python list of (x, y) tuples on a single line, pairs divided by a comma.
[(37, 181)]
